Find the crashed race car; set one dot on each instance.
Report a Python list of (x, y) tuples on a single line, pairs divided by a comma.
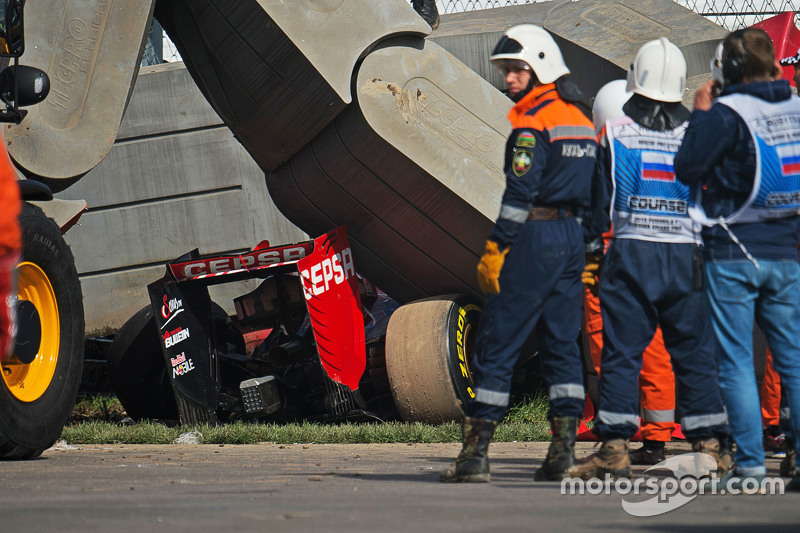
[(314, 340)]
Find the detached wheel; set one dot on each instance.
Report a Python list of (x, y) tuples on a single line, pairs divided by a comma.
[(38, 390), (137, 371), (429, 345)]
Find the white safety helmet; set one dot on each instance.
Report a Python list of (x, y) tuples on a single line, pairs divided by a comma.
[(608, 103), (658, 71), (536, 47)]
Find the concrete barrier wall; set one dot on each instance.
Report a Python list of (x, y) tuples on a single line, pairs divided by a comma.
[(175, 179)]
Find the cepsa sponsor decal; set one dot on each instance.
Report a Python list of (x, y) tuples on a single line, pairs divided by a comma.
[(335, 269), (251, 261), (181, 365), (171, 338)]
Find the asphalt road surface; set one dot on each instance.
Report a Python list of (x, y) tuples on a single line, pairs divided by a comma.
[(348, 487)]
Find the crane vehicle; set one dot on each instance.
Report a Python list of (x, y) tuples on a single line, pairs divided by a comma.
[(40, 380)]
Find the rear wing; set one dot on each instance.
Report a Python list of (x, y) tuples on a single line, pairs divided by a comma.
[(324, 268)]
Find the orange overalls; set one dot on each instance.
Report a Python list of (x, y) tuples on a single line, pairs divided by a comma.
[(10, 245), (770, 394)]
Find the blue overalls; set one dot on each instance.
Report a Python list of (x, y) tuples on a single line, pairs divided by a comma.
[(647, 281), (550, 158)]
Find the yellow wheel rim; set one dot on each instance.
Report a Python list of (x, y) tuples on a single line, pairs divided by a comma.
[(28, 382)]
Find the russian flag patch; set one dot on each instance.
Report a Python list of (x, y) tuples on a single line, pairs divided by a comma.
[(790, 159), (658, 166)]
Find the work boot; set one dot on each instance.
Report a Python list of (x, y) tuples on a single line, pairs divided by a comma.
[(722, 456), (472, 464), (561, 453), (651, 453), (726, 457), (427, 10), (612, 459), (788, 468)]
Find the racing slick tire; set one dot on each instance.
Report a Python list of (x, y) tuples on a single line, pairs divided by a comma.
[(36, 398), (429, 345), (137, 371)]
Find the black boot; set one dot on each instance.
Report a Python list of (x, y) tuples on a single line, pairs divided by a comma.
[(788, 468), (472, 464), (428, 11), (651, 453), (561, 453)]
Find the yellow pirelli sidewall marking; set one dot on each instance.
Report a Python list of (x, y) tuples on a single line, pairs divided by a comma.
[(461, 331)]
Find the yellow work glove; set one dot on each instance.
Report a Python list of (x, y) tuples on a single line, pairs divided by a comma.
[(489, 268), (591, 271)]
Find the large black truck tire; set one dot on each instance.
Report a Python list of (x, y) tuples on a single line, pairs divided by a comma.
[(429, 344), (137, 371), (36, 399)]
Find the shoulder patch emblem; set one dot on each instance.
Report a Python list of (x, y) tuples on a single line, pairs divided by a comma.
[(526, 138), (522, 162)]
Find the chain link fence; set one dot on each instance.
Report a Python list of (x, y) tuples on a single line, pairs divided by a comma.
[(736, 14), (730, 14)]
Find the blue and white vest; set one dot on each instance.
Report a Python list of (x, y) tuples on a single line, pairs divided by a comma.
[(775, 128), (648, 203)]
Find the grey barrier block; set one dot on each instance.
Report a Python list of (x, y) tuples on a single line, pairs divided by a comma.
[(599, 39), (414, 169), (176, 179), (90, 51), (166, 99), (334, 34), (278, 72)]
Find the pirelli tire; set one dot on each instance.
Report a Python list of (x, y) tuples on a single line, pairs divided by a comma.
[(429, 346), (36, 399)]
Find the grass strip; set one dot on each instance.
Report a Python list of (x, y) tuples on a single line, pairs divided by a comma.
[(96, 432), (525, 422)]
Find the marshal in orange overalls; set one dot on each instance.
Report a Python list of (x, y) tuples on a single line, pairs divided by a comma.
[(10, 245)]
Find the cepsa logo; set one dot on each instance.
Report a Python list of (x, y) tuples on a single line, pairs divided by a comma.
[(220, 265), (335, 269)]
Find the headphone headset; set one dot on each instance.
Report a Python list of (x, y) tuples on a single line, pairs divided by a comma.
[(734, 62)]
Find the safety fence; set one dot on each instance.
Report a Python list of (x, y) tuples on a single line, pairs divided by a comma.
[(731, 14)]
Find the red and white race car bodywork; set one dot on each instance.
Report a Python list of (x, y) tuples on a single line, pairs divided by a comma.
[(316, 279)]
